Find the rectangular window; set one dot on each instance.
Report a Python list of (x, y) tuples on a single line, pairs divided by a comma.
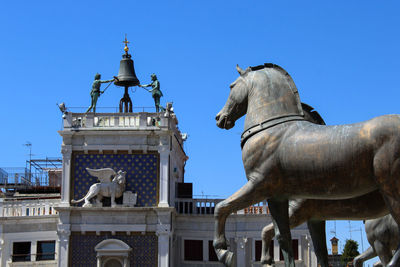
[(21, 251), (45, 250), (258, 247), (193, 250), (211, 252), (295, 247)]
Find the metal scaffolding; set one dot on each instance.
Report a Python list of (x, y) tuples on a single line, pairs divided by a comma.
[(39, 175)]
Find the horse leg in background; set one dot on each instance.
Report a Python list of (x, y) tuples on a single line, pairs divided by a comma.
[(366, 255), (267, 235), (383, 251), (318, 236), (280, 217), (300, 211), (249, 194), (387, 173)]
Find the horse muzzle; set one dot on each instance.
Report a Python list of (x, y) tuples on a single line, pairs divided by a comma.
[(224, 122)]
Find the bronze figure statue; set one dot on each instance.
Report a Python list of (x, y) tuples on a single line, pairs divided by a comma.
[(95, 92), (155, 91), (285, 156)]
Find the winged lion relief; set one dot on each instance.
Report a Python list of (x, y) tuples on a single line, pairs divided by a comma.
[(112, 184)]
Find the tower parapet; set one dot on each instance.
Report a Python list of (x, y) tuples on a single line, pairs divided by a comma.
[(144, 144)]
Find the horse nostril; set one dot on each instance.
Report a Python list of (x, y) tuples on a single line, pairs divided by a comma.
[(217, 117)]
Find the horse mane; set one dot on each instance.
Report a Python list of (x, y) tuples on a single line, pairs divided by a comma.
[(312, 115), (285, 74), (269, 65)]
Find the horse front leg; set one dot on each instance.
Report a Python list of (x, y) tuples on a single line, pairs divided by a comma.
[(318, 236), (280, 217), (249, 194)]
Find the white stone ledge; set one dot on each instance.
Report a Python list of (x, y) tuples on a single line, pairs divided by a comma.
[(108, 227)]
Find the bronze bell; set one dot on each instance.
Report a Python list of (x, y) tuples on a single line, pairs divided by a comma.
[(126, 74), (126, 78)]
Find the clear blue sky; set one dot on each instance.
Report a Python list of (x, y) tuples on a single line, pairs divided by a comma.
[(343, 56)]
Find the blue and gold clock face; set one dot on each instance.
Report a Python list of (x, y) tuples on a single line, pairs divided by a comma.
[(141, 177)]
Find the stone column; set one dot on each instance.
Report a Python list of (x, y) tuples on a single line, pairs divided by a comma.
[(163, 248), (2, 247), (63, 233), (33, 251), (164, 233), (126, 261), (1, 207), (66, 150), (164, 175), (241, 243)]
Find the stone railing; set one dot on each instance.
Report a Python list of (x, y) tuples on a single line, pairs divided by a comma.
[(143, 120), (196, 205), (207, 206), (258, 208), (37, 207)]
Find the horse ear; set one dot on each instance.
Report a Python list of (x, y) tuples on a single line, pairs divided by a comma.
[(239, 69)]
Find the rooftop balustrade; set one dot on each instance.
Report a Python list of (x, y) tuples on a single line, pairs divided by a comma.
[(32, 207), (139, 121), (207, 206)]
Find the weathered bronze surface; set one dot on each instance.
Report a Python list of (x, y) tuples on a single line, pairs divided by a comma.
[(155, 92), (95, 92), (299, 159), (383, 236), (126, 78), (316, 211), (126, 74)]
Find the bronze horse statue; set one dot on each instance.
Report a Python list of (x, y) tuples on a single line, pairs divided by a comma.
[(383, 235), (285, 156), (316, 211)]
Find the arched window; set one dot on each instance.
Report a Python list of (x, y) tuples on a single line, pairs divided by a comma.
[(112, 253), (113, 262)]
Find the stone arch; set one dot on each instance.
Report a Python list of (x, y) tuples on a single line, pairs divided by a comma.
[(110, 252)]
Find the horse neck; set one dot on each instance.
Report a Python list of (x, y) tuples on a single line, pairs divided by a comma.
[(273, 94)]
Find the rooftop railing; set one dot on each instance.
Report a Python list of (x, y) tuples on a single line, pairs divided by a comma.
[(142, 120), (207, 206), (36, 207)]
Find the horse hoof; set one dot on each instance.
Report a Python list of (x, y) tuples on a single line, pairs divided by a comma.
[(230, 260), (267, 263), (226, 257)]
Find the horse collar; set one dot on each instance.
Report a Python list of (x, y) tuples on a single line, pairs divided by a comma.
[(249, 132)]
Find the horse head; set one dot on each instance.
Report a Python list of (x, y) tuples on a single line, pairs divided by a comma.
[(236, 105), (265, 92)]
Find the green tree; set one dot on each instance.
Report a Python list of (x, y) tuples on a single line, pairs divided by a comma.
[(350, 251)]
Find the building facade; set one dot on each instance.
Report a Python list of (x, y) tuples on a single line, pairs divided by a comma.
[(162, 225)]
